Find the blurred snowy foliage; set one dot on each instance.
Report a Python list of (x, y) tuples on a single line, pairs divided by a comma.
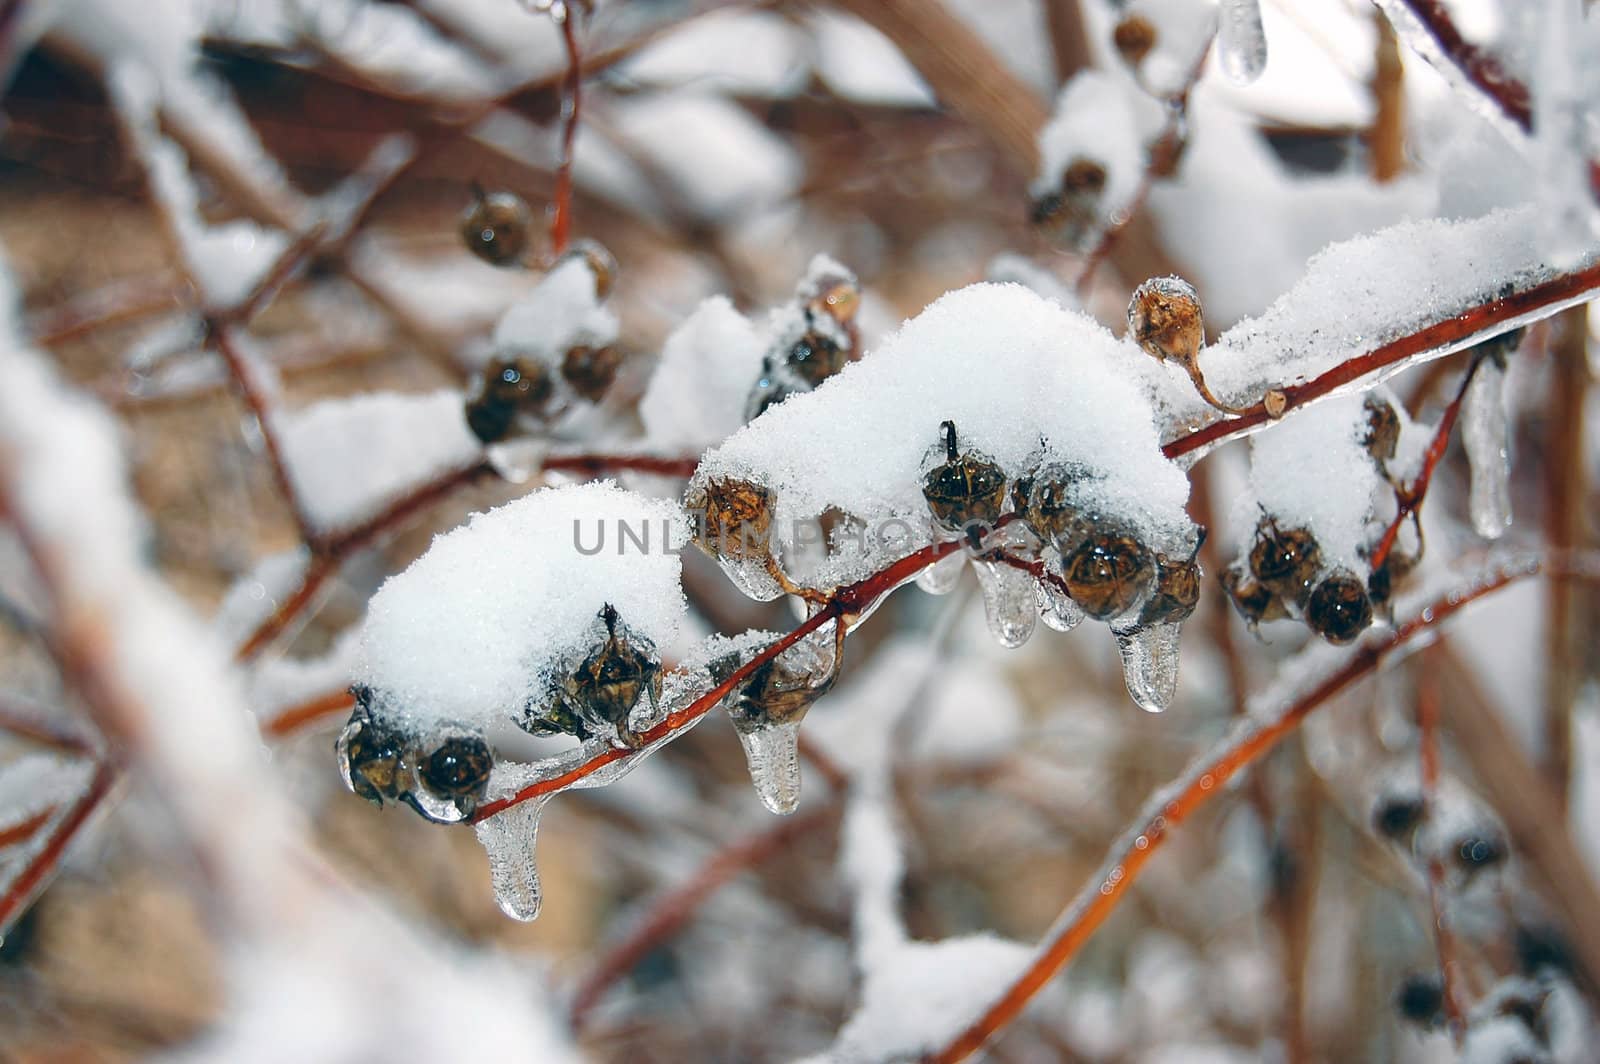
[(342, 442)]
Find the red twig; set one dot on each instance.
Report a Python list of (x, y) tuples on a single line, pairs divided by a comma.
[(1248, 743), (1480, 68), (24, 830), (1440, 337), (1409, 500), (571, 99), (20, 721), (26, 886), (255, 391), (1427, 679), (298, 716), (670, 912)]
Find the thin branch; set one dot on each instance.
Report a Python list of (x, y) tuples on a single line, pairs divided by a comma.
[(1246, 744), (571, 102), (22, 890), (1434, 340), (28, 723), (1409, 500), (845, 603), (311, 711), (1566, 489), (669, 913)]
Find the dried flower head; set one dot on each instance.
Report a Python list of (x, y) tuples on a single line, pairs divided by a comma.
[(1134, 38), (1108, 574), (1285, 560), (455, 770), (1177, 590), (1165, 319), (735, 518), (606, 685), (591, 370), (371, 754), (965, 490), (1255, 602)]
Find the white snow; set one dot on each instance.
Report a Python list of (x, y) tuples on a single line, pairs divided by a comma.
[(697, 394), (1105, 119), (468, 631), (1023, 379), (348, 457), (1358, 295), (859, 63), (562, 312)]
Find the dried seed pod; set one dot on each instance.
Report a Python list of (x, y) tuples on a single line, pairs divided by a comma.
[(735, 519), (1255, 601), (779, 691), (821, 350), (609, 682), (554, 717), (966, 489), (1164, 318), (601, 264), (508, 388), (456, 770), (496, 227), (1134, 37), (1339, 609), (371, 754), (1177, 591), (1285, 560), (1108, 574), (590, 370), (840, 302), (1045, 501), (1382, 438)]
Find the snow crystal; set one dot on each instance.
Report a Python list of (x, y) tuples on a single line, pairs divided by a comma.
[(347, 457), (1360, 294), (472, 629), (1024, 381)]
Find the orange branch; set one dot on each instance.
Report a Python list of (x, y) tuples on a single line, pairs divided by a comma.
[(1248, 743)]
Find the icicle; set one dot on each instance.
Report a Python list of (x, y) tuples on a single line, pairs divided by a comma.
[(1008, 597), (1150, 663), (509, 838), (1056, 607), (1241, 42), (517, 460), (773, 753), (942, 576), (1484, 435)]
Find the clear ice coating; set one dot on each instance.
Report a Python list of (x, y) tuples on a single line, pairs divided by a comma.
[(1241, 41), (1009, 600), (773, 753), (1150, 662), (1056, 607), (517, 461), (509, 838), (1484, 434), (942, 576)]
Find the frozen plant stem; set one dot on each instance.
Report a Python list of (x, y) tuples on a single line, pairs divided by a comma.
[(1249, 741), (571, 99), (1409, 500), (1434, 340)]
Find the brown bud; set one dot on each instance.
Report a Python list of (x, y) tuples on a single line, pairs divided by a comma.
[(1164, 318), (496, 227), (1134, 37)]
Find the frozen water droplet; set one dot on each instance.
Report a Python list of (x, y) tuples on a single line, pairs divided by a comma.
[(1241, 42), (773, 753), (517, 461), (1484, 434), (1150, 663), (1009, 599), (1056, 606), (509, 838), (751, 577), (942, 576)]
